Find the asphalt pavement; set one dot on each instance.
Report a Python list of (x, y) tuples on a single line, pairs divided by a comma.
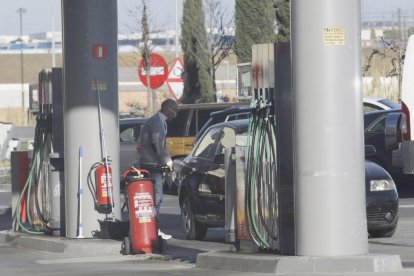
[(50, 255)]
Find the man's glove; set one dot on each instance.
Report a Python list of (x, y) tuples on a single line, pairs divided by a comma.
[(170, 165)]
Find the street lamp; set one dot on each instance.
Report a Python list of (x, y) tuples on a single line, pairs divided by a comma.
[(20, 11), (52, 8), (227, 74), (176, 28)]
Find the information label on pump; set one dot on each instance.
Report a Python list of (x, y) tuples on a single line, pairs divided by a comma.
[(334, 36), (100, 85)]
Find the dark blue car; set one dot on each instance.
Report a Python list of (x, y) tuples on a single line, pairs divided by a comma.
[(201, 182)]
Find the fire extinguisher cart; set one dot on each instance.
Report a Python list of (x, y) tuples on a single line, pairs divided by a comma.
[(143, 231)]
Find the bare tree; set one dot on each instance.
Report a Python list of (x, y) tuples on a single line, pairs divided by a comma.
[(390, 51), (141, 14), (220, 37)]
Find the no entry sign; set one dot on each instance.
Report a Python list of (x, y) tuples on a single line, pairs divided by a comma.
[(158, 71)]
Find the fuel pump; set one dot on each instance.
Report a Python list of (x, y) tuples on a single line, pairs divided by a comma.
[(263, 162), (43, 188)]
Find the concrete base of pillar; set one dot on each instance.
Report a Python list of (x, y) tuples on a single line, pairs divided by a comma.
[(267, 263)]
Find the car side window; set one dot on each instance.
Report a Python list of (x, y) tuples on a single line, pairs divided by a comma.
[(178, 126), (378, 125), (370, 108), (206, 145), (127, 135), (199, 118)]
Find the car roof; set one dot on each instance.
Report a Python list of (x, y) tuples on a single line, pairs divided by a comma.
[(384, 103), (133, 120), (220, 115), (231, 111), (209, 105), (238, 125)]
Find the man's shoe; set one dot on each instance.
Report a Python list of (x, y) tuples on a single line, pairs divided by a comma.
[(163, 235)]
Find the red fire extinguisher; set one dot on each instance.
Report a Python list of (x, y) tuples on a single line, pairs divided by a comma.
[(142, 214), (103, 182)]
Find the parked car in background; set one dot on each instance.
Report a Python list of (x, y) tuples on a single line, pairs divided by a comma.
[(372, 104), (381, 201), (201, 180), (180, 137), (374, 134), (129, 132), (189, 121), (225, 115)]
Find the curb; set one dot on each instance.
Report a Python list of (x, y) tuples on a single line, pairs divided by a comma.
[(79, 247), (61, 244), (230, 261)]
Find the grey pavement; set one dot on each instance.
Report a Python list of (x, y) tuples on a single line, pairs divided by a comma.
[(184, 257), (222, 262)]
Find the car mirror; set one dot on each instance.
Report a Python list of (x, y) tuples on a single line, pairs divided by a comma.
[(370, 150)]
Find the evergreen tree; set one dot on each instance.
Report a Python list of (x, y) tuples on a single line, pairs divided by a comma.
[(198, 85), (282, 8), (255, 24)]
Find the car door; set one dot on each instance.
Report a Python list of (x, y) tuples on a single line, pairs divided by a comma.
[(215, 179), (375, 135), (212, 188)]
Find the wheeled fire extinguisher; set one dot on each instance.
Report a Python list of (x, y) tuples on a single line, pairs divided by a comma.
[(102, 186), (142, 215)]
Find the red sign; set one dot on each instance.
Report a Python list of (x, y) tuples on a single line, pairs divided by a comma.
[(158, 71), (99, 51)]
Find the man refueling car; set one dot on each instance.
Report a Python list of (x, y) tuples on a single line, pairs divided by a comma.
[(154, 155)]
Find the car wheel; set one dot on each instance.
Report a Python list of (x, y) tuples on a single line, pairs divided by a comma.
[(382, 233), (193, 230)]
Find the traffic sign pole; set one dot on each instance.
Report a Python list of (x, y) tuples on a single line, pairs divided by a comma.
[(153, 76)]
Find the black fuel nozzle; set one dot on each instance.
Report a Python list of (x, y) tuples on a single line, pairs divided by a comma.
[(106, 159)]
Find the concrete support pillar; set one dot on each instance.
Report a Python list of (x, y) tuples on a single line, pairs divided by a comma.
[(329, 148), (90, 63)]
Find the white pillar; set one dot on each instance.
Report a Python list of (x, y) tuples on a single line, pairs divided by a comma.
[(330, 216)]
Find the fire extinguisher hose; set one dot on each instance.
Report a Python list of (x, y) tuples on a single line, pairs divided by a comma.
[(104, 152)]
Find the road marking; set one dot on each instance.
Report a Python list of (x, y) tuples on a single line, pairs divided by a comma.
[(406, 206)]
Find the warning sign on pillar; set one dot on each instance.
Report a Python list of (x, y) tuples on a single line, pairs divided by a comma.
[(99, 51), (175, 82)]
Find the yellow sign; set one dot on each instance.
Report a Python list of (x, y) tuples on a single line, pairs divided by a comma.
[(334, 36), (101, 85)]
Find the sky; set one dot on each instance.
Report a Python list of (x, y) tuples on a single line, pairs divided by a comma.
[(38, 16)]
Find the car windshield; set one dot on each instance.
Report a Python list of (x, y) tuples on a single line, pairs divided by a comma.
[(207, 143)]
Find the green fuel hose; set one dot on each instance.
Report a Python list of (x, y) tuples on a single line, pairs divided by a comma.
[(261, 194)]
